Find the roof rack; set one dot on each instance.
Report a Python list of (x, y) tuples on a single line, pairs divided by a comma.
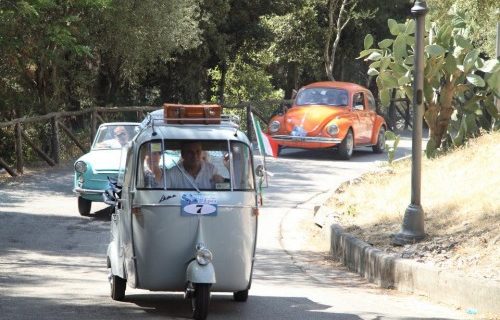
[(225, 120)]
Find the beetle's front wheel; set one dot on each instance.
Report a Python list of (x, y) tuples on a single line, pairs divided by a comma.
[(200, 300), (346, 147)]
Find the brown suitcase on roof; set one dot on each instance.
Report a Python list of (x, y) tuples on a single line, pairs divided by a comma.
[(192, 113)]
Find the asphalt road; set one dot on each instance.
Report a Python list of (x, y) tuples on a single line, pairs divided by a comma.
[(52, 261)]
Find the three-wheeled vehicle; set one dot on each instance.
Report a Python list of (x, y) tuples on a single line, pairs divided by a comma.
[(186, 208)]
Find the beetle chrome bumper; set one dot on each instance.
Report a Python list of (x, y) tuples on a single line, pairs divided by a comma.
[(306, 139)]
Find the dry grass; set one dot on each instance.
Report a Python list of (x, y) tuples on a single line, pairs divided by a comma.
[(460, 197)]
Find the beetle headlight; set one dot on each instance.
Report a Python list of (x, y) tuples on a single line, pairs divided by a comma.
[(274, 126), (80, 166), (332, 129), (203, 256)]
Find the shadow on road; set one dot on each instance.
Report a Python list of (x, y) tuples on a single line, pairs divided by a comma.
[(359, 155)]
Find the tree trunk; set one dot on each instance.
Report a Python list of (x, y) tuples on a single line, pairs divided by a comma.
[(222, 83), (438, 115)]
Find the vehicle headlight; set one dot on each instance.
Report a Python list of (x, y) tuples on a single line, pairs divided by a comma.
[(80, 166), (203, 256), (274, 126), (332, 130)]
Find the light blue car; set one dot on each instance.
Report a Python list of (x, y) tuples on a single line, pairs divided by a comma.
[(93, 169)]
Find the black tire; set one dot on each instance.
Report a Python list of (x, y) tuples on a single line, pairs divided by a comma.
[(84, 206), (118, 286), (278, 152), (200, 301), (379, 147), (240, 296), (346, 147)]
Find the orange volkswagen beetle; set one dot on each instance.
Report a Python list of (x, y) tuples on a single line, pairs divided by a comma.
[(330, 114)]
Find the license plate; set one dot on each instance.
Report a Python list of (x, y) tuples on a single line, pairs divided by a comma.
[(198, 204)]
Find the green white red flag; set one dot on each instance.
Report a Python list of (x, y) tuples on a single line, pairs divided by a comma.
[(267, 146)]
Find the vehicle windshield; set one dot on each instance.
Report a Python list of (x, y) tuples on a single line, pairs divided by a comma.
[(322, 96), (194, 165), (113, 136)]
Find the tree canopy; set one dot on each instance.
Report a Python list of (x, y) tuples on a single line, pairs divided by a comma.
[(69, 55)]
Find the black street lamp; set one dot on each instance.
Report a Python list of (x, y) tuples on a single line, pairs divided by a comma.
[(412, 229)]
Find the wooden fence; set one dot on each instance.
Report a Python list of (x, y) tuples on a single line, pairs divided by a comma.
[(56, 120)]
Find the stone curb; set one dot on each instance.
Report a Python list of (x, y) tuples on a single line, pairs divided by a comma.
[(406, 275)]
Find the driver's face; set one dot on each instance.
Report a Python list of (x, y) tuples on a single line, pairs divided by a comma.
[(121, 135), (192, 154)]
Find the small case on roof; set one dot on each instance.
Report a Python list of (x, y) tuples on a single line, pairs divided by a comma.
[(192, 113)]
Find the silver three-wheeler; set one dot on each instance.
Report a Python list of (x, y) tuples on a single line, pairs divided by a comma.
[(185, 208)]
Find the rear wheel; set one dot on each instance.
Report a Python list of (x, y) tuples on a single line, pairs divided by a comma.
[(118, 286), (240, 296), (379, 147), (346, 147), (84, 206), (200, 300)]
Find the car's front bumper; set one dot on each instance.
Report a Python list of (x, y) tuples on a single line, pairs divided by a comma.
[(81, 191), (327, 140)]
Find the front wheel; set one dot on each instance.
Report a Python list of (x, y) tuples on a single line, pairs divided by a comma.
[(118, 286), (278, 151), (200, 300), (346, 147), (379, 147), (84, 206), (240, 296)]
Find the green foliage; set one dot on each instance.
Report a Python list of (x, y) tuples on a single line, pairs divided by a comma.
[(391, 145), (247, 81), (480, 16), (455, 77)]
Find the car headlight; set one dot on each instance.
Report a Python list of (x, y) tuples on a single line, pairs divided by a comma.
[(332, 130), (80, 166), (203, 256), (274, 126)]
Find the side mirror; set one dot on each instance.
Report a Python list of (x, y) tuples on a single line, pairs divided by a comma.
[(259, 171)]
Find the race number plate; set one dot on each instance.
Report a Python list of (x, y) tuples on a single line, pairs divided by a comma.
[(194, 204)]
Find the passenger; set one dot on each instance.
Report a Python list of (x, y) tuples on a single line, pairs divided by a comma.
[(153, 173), (121, 138), (192, 170)]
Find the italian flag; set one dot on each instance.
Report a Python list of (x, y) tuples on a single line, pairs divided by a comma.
[(267, 146)]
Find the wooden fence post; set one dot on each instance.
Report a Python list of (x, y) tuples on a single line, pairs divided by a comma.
[(55, 139), (19, 149), (5, 165)]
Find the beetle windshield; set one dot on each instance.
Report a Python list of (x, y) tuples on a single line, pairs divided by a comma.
[(195, 165), (322, 96)]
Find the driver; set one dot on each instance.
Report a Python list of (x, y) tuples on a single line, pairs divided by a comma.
[(192, 170)]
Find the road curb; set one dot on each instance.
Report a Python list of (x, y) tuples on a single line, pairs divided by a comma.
[(409, 276)]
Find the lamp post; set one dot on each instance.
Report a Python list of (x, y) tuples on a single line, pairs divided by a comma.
[(412, 229)]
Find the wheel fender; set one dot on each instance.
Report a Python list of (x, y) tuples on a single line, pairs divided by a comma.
[(114, 260), (344, 125), (379, 123), (197, 273)]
